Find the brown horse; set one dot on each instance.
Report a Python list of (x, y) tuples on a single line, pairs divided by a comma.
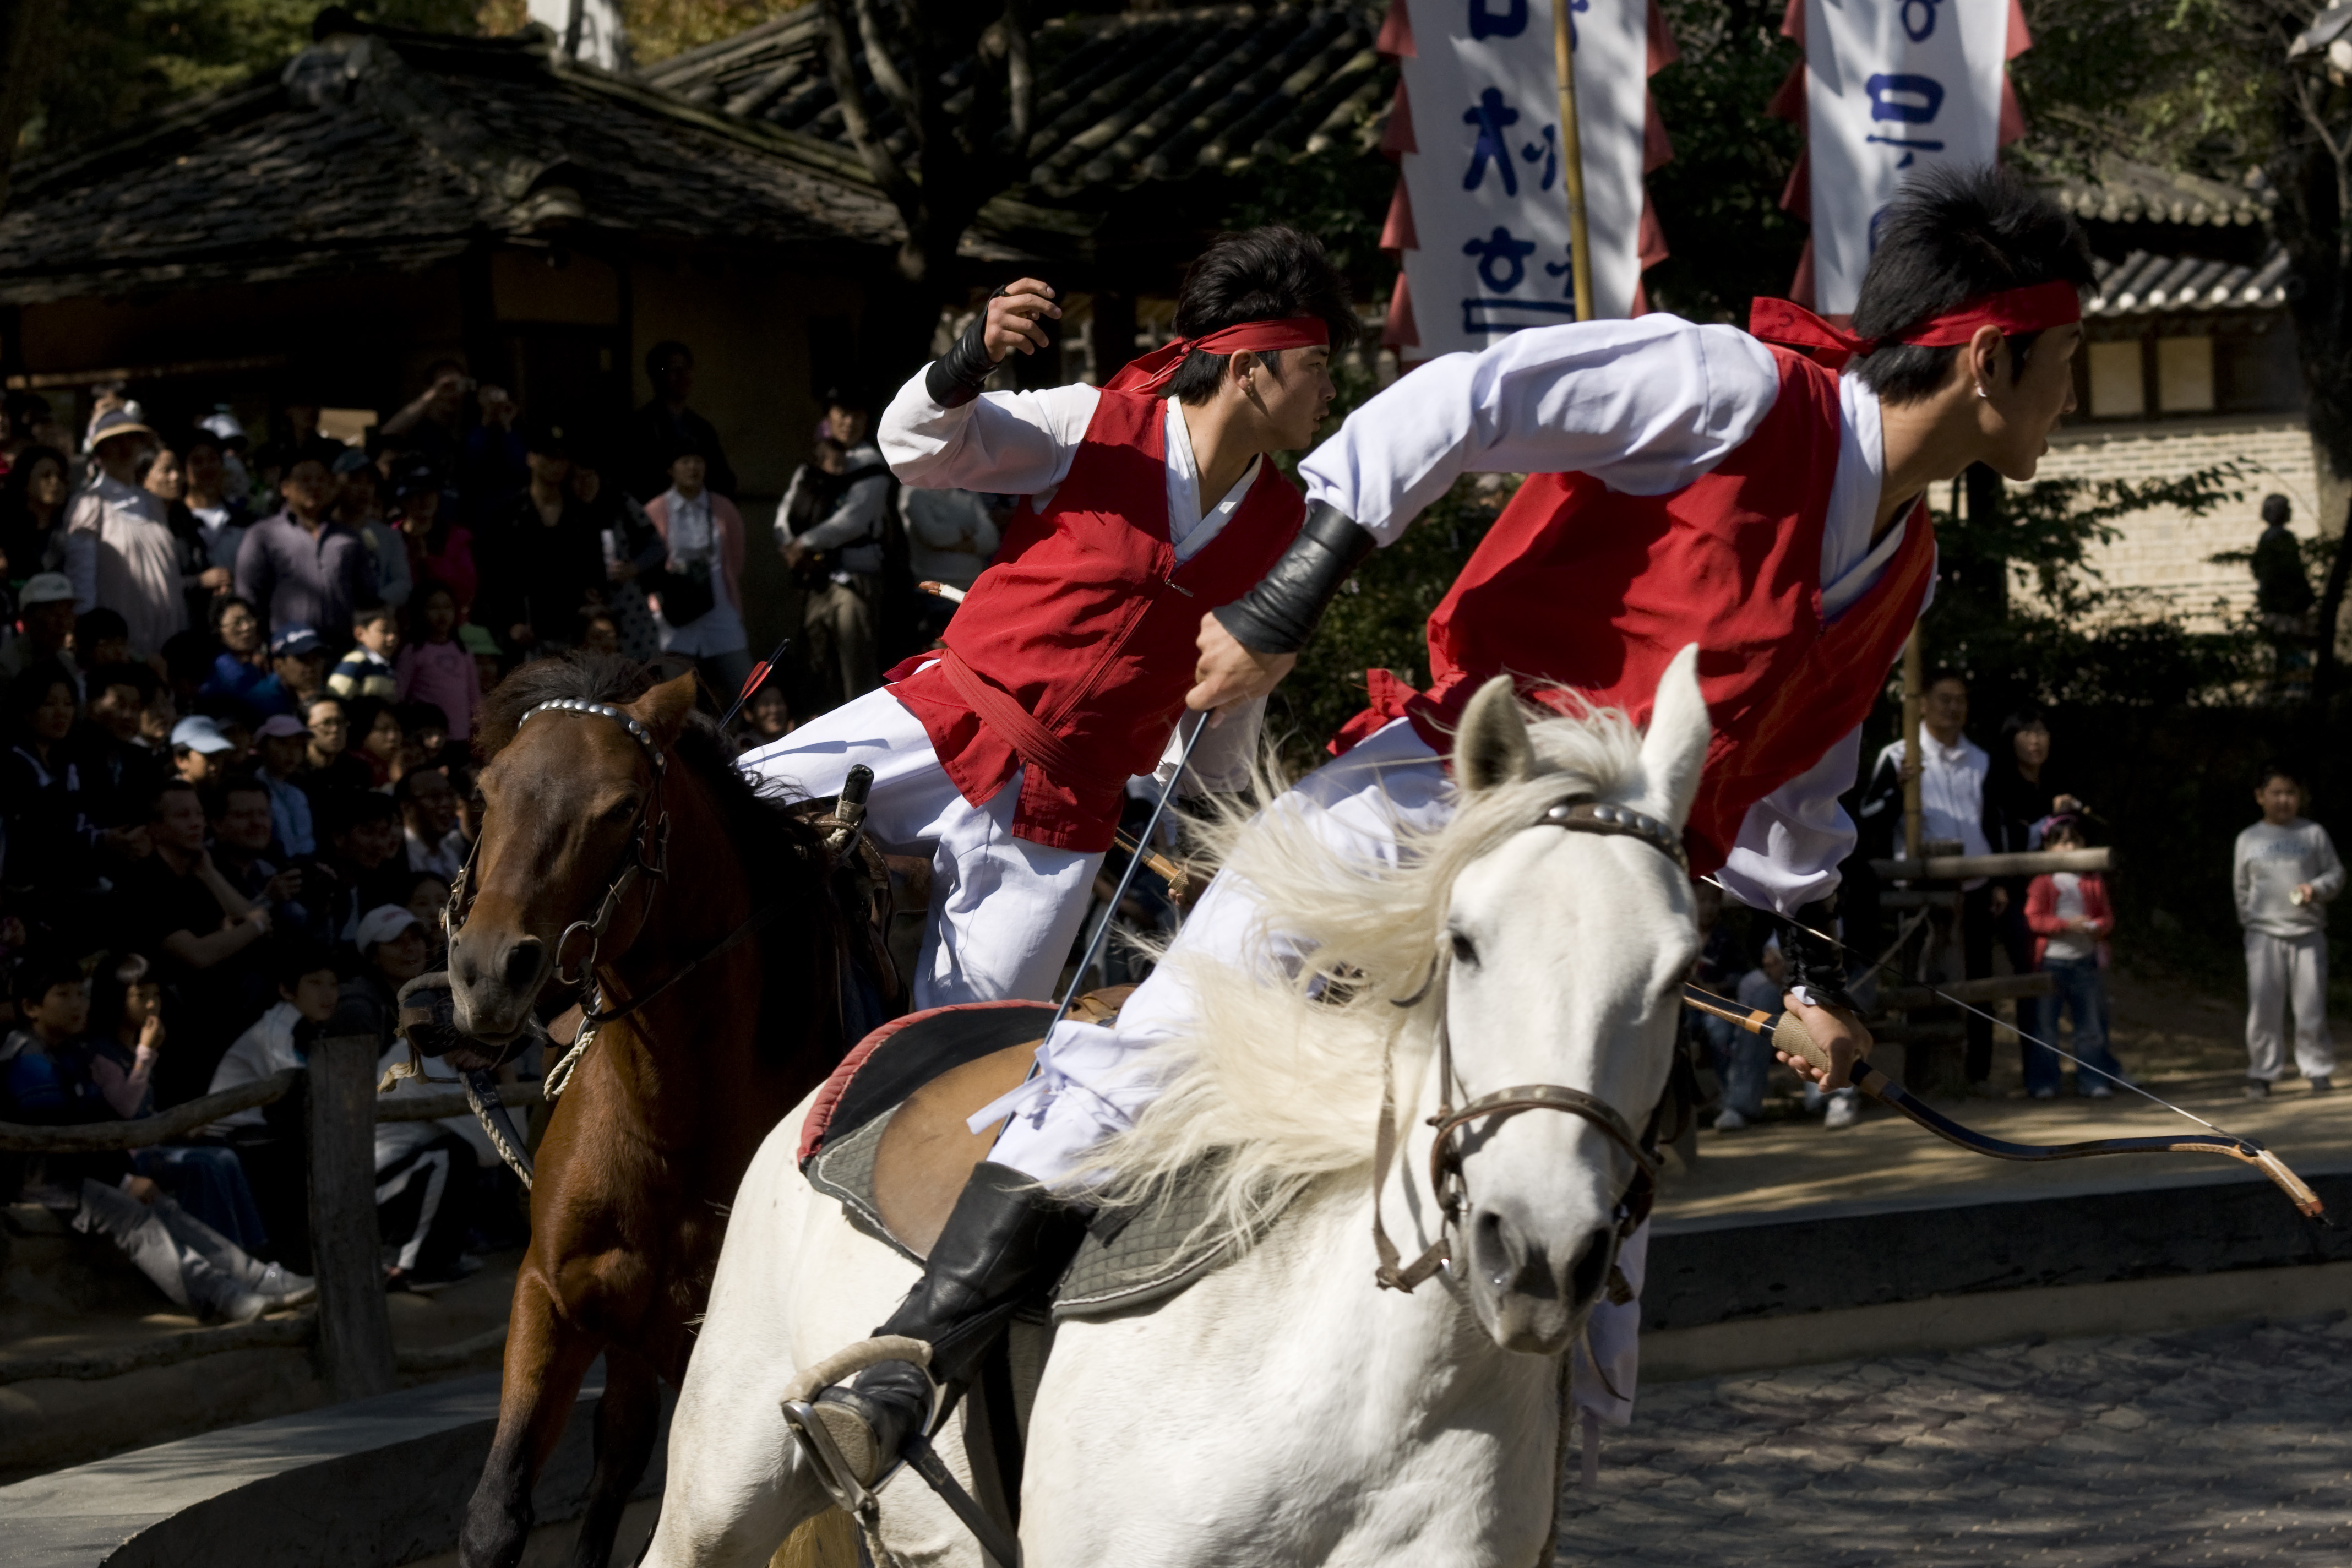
[(620, 845)]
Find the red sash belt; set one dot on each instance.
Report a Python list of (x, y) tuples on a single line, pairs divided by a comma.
[(1018, 727)]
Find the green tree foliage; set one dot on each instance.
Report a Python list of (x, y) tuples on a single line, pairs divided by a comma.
[(110, 61)]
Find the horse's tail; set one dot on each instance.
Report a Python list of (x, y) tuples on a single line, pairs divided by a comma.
[(826, 1539)]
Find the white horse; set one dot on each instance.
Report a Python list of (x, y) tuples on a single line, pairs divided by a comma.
[(1284, 1408)]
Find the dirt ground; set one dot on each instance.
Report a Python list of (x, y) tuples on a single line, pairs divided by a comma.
[(2187, 1047)]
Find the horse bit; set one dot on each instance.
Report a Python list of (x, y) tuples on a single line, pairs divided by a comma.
[(1445, 1178)]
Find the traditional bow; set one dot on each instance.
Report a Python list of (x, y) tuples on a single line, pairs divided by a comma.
[(1787, 1035)]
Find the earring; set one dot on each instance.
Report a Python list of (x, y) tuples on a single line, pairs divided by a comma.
[(1982, 392)]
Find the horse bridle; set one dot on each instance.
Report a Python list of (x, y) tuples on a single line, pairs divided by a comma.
[(1445, 1178), (647, 857)]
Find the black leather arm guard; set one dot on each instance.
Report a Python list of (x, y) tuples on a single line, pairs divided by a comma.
[(956, 377), (1279, 614), (1815, 963)]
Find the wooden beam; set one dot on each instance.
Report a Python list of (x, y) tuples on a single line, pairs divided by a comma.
[(1917, 899), (168, 371), (354, 1328), (449, 1103), (1966, 868), (148, 1130), (1992, 988)]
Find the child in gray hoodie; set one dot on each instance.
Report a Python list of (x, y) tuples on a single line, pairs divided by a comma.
[(2284, 873)]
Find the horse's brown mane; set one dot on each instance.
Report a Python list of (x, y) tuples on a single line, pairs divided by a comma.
[(769, 836)]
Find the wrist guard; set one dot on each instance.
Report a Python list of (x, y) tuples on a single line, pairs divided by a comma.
[(956, 377), (1279, 614), (1814, 963)]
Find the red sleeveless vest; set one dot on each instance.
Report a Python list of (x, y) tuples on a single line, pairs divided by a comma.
[(1073, 652), (1579, 587)]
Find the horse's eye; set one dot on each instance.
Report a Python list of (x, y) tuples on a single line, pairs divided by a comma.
[(621, 814), (1465, 950)]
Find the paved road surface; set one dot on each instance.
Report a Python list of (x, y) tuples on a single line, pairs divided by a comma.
[(2218, 1445)]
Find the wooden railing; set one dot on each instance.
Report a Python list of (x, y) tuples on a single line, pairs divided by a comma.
[(351, 1327)]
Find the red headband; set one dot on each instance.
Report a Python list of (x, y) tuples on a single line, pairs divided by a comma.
[(1151, 372), (2033, 309)]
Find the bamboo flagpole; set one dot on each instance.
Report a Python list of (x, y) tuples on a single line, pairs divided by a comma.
[(1914, 695), (1571, 158)]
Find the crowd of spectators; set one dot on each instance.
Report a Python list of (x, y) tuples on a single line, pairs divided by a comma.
[(238, 681)]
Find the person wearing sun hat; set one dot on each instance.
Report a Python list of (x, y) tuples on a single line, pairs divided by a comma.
[(119, 547)]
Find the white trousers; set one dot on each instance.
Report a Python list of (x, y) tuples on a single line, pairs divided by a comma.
[(1004, 912), (1093, 1081), (2284, 971)]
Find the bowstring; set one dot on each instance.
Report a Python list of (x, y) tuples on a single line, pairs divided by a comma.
[(1889, 971)]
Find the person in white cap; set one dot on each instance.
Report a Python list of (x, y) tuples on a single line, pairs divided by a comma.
[(199, 750), (423, 1170), (120, 551), (45, 611)]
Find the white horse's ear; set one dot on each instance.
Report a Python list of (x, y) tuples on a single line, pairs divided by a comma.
[(1492, 746), (1675, 749)]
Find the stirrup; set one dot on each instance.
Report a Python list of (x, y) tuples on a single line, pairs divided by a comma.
[(808, 1429)]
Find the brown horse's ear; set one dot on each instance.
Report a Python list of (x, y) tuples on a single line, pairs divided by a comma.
[(664, 709)]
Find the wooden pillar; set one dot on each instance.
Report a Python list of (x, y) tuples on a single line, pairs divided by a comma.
[(1914, 693), (354, 1328)]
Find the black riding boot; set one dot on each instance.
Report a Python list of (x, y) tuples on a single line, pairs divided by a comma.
[(1006, 1241)]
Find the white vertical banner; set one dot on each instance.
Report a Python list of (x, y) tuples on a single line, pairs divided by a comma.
[(1483, 177), (1892, 88)]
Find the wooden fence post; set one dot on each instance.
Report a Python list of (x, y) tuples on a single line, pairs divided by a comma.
[(354, 1328)]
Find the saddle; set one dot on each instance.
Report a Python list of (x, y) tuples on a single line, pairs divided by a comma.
[(886, 1139)]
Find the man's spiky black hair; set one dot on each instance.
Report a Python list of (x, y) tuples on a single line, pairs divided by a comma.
[(1949, 236), (1265, 274)]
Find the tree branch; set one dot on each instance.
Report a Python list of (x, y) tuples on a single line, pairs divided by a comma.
[(847, 90)]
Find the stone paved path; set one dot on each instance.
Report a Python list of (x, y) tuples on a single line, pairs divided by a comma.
[(2218, 1445)]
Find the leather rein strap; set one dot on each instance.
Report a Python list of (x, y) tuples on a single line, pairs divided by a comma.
[(1445, 1181)]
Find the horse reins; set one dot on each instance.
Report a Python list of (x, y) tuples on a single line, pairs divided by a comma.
[(1445, 1177)]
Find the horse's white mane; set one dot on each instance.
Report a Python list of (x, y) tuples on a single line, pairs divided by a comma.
[(1280, 1081)]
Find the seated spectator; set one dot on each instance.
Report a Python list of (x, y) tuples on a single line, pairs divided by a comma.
[(120, 551), (299, 566), (200, 755), (243, 839), (440, 550), (44, 629), (424, 736), (328, 765), (424, 1171), (428, 814), (268, 1141), (101, 636), (162, 712), (437, 668), (50, 840), (2069, 918), (207, 1181), (299, 660), (600, 631), (490, 661), (364, 866), (178, 908), (377, 739), (367, 669), (243, 667), (285, 744), (767, 716), (192, 1263), (359, 505), (120, 770), (33, 514)]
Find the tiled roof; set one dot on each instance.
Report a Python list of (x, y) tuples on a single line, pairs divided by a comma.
[(2141, 284), (1121, 99), (400, 149), (2121, 191)]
